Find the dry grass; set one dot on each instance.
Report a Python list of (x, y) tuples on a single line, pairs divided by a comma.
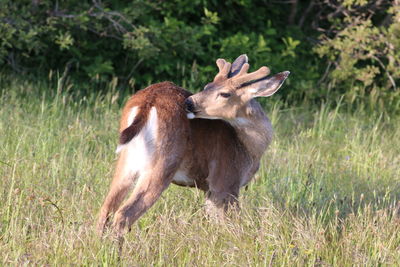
[(325, 196)]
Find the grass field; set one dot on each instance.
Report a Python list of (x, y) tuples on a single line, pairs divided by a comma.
[(326, 194)]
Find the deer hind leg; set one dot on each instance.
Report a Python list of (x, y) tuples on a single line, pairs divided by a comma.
[(114, 198), (122, 182), (150, 185)]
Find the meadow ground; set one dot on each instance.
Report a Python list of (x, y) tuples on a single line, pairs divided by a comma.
[(326, 193)]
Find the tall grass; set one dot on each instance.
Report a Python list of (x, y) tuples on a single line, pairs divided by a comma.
[(326, 193)]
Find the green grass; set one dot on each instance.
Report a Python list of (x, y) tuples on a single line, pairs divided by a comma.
[(326, 193)]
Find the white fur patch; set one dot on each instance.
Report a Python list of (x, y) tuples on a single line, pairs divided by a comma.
[(190, 115), (239, 122), (140, 150), (182, 178), (119, 148), (207, 117), (132, 115)]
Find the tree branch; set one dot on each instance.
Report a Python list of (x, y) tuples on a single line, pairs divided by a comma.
[(293, 11), (305, 14), (386, 71)]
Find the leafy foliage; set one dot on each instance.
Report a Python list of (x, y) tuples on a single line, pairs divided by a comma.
[(142, 42), (365, 57)]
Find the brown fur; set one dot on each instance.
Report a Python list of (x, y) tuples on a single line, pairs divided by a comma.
[(219, 156), (192, 145)]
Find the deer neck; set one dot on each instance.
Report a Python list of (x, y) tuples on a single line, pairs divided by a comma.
[(253, 128)]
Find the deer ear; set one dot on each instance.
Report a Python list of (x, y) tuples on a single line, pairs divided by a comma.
[(237, 65), (267, 86)]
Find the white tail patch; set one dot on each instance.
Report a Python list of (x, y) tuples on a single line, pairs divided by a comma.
[(119, 148), (140, 150), (131, 117)]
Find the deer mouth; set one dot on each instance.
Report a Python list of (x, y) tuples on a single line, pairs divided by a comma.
[(190, 108), (190, 115)]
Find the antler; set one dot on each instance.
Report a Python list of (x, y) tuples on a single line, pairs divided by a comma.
[(225, 73), (224, 69), (244, 77)]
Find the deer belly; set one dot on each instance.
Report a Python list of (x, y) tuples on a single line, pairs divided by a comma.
[(181, 178)]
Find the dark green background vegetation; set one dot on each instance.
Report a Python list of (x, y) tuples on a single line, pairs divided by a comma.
[(346, 48)]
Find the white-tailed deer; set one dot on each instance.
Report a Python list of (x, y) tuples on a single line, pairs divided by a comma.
[(218, 150)]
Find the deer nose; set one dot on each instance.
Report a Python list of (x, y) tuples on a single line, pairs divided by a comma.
[(189, 105)]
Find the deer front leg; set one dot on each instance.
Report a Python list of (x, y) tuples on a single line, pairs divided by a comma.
[(223, 190), (219, 203)]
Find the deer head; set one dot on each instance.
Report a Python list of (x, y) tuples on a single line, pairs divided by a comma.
[(232, 89)]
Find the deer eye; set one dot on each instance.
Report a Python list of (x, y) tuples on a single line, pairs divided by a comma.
[(225, 95)]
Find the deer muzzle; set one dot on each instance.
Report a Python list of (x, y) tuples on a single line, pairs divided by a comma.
[(189, 106)]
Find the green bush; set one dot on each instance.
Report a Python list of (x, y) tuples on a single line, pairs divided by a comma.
[(343, 47), (364, 56), (143, 42)]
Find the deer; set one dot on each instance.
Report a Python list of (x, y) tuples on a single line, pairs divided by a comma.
[(212, 140)]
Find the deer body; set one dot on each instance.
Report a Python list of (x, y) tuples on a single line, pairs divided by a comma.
[(159, 145)]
